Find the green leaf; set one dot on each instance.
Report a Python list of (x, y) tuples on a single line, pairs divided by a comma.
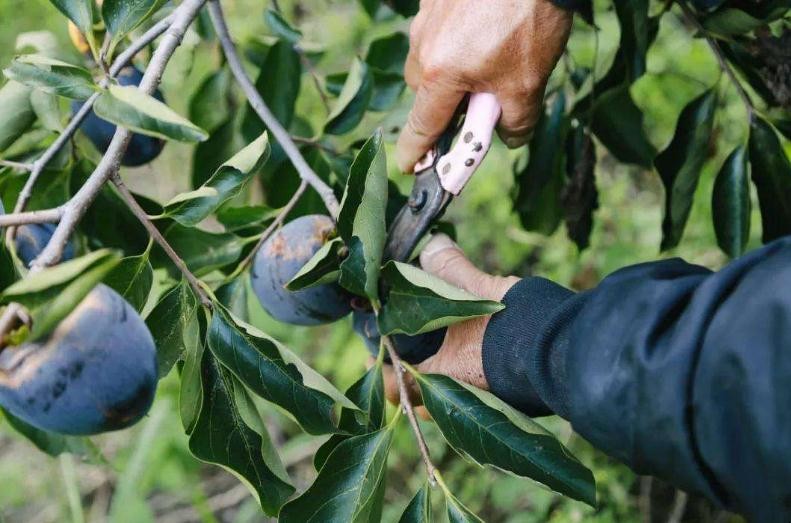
[(771, 173), (680, 164), (132, 278), (133, 109), (457, 512), (419, 509), (203, 251), (52, 76), (486, 430), (731, 205), (233, 296), (192, 390), (192, 207), (350, 107), (323, 267), (51, 294), (419, 302), (81, 13), (361, 221), (236, 218), (47, 109), (635, 39), (274, 373), (368, 394), (405, 8), (541, 180), (278, 83), (174, 326), (580, 198), (123, 16), (207, 157), (281, 28), (51, 443), (349, 485), (618, 123), (209, 108), (386, 91), (388, 53), (16, 113), (227, 434)]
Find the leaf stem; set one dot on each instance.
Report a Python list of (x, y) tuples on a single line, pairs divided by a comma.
[(409, 409), (689, 15), (152, 230), (266, 115), (16, 165)]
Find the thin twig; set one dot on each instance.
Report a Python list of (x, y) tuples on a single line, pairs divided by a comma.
[(312, 142), (123, 59), (679, 507), (312, 72), (269, 119), (278, 221), (406, 403), (16, 165), (143, 218), (110, 163), (723, 63), (24, 218)]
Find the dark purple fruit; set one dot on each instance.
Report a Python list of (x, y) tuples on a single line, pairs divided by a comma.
[(280, 259), (95, 372), (31, 240), (412, 349), (142, 149)]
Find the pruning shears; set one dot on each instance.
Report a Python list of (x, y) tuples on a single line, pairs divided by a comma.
[(442, 174)]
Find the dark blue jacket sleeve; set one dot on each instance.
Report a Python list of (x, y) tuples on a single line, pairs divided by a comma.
[(676, 371)]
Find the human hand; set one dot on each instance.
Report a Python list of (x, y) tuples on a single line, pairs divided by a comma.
[(504, 47), (460, 355)]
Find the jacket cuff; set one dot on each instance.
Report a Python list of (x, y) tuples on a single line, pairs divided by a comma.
[(509, 342)]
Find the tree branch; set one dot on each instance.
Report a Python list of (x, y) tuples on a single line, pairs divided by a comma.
[(260, 107), (689, 15), (16, 165), (75, 208), (143, 218), (37, 167), (24, 218), (406, 403)]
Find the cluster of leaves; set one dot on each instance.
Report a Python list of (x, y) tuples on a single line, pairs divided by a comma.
[(223, 361), (557, 180)]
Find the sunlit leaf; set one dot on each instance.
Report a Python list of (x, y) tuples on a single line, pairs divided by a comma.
[(192, 207), (132, 278), (51, 294), (130, 107), (122, 16), (16, 113), (323, 267), (52, 76)]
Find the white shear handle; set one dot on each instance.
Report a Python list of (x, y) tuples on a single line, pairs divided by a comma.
[(457, 167)]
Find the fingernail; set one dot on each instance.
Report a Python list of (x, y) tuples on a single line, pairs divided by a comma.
[(439, 242)]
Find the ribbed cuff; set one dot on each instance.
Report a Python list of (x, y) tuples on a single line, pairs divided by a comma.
[(510, 337)]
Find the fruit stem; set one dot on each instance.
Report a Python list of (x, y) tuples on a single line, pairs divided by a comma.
[(143, 218), (409, 409), (259, 106)]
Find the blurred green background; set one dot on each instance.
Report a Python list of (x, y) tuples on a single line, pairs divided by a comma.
[(149, 474)]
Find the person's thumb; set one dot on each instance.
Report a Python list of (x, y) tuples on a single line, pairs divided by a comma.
[(444, 259)]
